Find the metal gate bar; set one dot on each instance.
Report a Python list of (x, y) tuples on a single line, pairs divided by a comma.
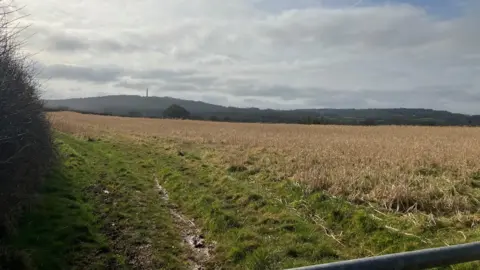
[(419, 259)]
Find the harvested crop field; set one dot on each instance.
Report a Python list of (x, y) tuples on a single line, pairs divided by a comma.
[(431, 169), (134, 193)]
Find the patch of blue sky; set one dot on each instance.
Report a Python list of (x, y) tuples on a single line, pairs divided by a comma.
[(442, 9)]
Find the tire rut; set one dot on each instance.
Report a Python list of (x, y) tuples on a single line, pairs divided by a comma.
[(191, 235)]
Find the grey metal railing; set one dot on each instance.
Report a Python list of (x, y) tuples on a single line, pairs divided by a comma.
[(419, 259)]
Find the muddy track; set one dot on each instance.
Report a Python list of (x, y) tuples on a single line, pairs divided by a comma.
[(191, 234)]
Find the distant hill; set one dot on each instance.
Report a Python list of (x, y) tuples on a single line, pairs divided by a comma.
[(125, 105)]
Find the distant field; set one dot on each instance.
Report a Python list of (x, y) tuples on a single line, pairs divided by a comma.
[(432, 169), (130, 192)]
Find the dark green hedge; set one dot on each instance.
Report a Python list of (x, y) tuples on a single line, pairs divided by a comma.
[(26, 146)]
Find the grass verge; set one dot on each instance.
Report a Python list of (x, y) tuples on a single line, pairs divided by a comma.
[(94, 212), (259, 222), (100, 209)]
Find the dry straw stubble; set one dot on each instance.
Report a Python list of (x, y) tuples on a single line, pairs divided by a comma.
[(431, 169)]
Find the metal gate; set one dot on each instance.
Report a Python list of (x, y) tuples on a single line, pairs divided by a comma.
[(419, 259)]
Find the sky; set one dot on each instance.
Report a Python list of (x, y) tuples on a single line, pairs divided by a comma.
[(280, 54)]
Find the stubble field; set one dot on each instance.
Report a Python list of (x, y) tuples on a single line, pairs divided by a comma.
[(133, 193), (430, 169)]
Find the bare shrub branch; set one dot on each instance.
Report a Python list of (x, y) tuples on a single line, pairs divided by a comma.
[(26, 146)]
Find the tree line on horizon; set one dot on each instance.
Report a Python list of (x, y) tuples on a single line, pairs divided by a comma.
[(365, 117)]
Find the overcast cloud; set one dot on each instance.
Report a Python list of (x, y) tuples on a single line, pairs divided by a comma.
[(266, 53)]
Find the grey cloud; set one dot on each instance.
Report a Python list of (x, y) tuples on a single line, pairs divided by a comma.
[(179, 87), (197, 80), (176, 76), (116, 46), (65, 43), (428, 96), (215, 99), (174, 79), (68, 44), (239, 81), (61, 41), (56, 40), (218, 59), (236, 85), (283, 92), (134, 85), (372, 27), (162, 74), (75, 89), (393, 55), (78, 73), (252, 100), (342, 99), (268, 104)]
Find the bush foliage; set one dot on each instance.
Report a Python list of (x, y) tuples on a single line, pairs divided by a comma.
[(26, 146), (176, 111)]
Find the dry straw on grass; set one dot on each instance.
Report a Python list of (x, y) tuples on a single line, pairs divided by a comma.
[(431, 169)]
